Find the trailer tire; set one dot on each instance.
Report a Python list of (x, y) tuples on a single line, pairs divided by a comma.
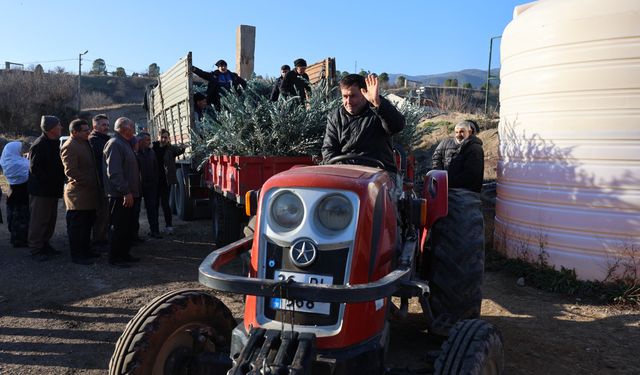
[(226, 220), (474, 347), (157, 337), (184, 204), (455, 262), (172, 199)]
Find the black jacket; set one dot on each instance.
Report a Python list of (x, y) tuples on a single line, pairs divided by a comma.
[(275, 92), (214, 89), (443, 154), (149, 171), (46, 173), (295, 84), (465, 164), (367, 134), (97, 141)]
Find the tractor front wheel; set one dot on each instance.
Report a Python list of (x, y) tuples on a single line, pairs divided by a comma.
[(474, 347), (160, 340)]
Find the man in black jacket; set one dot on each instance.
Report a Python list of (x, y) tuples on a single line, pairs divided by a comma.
[(296, 82), (98, 139), (364, 123), (275, 92), (45, 184), (218, 80), (462, 157)]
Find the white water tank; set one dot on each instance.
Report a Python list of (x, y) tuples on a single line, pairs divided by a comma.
[(569, 170)]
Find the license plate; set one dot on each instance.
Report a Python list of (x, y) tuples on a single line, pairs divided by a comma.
[(322, 308)]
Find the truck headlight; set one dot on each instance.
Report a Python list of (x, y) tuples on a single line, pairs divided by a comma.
[(287, 210), (335, 212)]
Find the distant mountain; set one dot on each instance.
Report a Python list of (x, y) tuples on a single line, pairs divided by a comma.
[(476, 77)]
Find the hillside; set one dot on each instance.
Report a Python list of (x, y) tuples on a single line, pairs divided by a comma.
[(114, 90), (476, 77)]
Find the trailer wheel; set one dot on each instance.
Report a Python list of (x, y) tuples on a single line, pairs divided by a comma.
[(157, 339), (454, 264), (226, 220), (474, 347), (172, 199), (184, 205)]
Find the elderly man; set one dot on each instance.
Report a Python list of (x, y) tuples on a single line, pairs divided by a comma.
[(98, 139), (122, 185), (364, 124), (296, 82), (81, 192), (462, 157), (46, 181)]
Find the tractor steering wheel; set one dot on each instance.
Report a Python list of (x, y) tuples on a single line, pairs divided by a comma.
[(356, 157)]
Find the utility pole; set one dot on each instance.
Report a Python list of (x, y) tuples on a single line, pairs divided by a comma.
[(490, 77), (80, 75)]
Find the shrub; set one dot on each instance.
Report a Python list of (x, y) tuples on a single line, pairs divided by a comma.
[(251, 124)]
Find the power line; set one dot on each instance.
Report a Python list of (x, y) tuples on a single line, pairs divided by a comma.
[(50, 61)]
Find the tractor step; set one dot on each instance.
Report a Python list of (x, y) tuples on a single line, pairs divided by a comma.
[(276, 352)]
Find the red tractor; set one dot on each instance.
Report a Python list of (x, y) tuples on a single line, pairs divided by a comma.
[(331, 245)]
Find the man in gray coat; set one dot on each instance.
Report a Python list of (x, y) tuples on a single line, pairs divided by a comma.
[(122, 185)]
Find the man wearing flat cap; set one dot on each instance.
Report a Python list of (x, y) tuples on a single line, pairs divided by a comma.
[(46, 183), (296, 82), (462, 157), (219, 79)]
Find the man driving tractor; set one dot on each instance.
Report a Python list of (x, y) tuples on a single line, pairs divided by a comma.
[(364, 124)]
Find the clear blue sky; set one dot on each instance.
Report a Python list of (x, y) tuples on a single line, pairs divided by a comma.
[(409, 37)]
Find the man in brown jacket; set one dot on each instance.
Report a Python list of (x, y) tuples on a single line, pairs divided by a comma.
[(81, 194)]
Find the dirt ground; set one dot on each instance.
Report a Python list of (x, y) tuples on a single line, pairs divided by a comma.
[(61, 318)]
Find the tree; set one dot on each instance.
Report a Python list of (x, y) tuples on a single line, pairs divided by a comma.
[(383, 78), (120, 72), (451, 82), (99, 68), (467, 85), (341, 74), (363, 73), (154, 70), (39, 70), (401, 81)]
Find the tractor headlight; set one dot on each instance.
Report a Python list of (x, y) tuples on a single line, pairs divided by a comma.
[(287, 210), (335, 212)]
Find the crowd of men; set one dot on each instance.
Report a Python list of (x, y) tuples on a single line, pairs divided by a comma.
[(102, 179)]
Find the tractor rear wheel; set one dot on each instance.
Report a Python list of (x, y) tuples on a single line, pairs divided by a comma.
[(474, 347), (454, 264), (158, 339)]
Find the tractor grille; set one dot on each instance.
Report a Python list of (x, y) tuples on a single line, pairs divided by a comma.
[(328, 262)]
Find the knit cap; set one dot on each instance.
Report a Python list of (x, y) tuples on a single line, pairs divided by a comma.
[(48, 122)]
